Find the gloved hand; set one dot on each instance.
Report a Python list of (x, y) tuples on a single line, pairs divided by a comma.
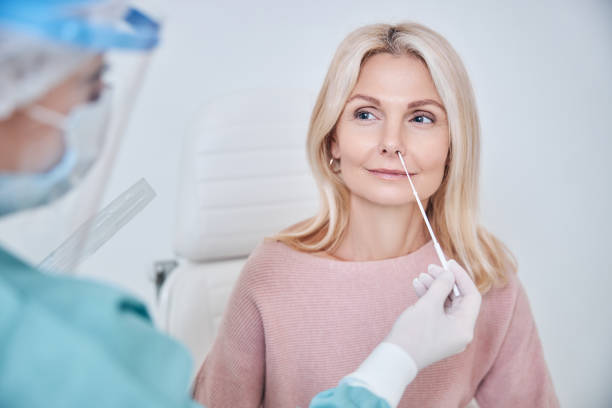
[(436, 326)]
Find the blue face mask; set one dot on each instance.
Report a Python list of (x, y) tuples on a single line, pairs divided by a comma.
[(19, 191)]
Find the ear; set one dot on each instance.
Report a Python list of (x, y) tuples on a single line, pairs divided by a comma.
[(334, 147)]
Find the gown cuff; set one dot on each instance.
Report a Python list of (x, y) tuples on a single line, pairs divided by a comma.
[(386, 373)]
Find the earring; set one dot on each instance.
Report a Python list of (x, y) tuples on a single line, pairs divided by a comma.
[(331, 162)]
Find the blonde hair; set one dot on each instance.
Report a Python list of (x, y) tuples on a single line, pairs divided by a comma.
[(453, 208)]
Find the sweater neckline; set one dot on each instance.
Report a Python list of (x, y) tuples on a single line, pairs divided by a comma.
[(305, 256)]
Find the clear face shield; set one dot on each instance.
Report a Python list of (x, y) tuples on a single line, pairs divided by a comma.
[(58, 236)]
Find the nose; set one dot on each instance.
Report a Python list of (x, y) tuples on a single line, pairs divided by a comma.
[(392, 141)]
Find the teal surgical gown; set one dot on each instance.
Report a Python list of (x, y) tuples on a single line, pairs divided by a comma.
[(347, 396), (67, 342)]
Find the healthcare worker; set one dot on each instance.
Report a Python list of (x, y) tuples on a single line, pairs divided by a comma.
[(67, 342)]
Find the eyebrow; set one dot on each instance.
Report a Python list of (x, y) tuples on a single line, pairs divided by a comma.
[(411, 105)]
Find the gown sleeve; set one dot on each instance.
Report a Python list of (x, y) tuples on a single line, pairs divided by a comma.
[(67, 342), (348, 396)]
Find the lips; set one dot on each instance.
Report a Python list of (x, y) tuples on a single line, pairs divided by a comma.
[(389, 173)]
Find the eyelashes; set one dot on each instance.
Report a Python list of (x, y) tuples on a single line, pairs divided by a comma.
[(424, 119), (420, 117), (363, 115)]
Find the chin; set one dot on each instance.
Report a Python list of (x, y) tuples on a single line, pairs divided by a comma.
[(391, 193), (387, 197)]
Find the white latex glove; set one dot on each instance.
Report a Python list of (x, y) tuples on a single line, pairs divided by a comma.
[(437, 327)]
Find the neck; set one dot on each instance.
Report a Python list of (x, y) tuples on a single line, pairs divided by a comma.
[(376, 232)]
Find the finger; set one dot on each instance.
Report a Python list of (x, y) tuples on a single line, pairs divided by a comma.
[(435, 270), (419, 288), (463, 280), (440, 288), (426, 280), (448, 303), (471, 298)]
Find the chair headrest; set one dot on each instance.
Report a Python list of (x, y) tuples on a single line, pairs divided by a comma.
[(244, 173)]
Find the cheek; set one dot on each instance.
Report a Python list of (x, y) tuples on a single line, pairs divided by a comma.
[(43, 151), (356, 153), (37, 153), (431, 159), (431, 154), (356, 144)]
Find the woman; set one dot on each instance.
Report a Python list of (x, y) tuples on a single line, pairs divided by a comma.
[(315, 300)]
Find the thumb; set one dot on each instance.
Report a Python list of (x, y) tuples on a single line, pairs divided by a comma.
[(440, 288)]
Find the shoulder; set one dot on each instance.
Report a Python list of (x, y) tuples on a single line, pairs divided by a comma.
[(506, 291), (270, 260), (269, 253), (502, 304)]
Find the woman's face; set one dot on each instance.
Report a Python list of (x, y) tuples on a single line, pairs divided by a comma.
[(393, 107)]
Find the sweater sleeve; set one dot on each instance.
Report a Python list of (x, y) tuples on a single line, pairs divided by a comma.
[(232, 374), (519, 376)]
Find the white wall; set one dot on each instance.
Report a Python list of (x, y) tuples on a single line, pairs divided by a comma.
[(542, 76)]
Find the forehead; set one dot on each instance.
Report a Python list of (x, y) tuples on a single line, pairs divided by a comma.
[(390, 77)]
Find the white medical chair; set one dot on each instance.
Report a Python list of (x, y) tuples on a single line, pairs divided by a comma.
[(244, 176)]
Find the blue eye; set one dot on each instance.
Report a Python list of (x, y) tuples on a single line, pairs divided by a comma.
[(364, 115), (422, 119)]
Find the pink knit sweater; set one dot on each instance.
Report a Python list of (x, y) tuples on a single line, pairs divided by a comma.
[(297, 323)]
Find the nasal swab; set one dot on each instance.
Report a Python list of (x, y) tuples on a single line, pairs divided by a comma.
[(433, 237)]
